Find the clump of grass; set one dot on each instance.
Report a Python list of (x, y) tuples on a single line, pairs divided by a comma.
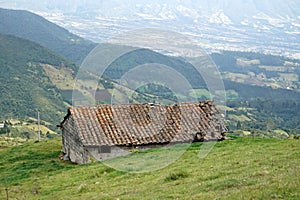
[(83, 188), (176, 176)]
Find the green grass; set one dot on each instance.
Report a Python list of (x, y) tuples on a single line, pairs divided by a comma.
[(244, 168)]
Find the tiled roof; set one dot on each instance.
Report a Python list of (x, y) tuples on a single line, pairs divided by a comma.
[(141, 124)]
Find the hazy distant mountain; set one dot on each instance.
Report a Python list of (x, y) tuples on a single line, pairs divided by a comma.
[(235, 9), (35, 28), (269, 26)]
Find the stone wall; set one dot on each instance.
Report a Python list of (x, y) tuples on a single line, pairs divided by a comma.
[(72, 145)]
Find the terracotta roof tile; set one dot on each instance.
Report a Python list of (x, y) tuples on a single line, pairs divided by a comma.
[(141, 124)]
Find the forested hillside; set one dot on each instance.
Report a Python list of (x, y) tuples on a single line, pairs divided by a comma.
[(25, 87)]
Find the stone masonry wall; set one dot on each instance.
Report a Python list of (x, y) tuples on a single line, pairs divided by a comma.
[(72, 145)]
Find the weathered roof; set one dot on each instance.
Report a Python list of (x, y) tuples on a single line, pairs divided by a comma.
[(142, 124)]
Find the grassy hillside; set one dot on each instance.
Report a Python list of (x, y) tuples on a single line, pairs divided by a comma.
[(245, 168), (35, 28)]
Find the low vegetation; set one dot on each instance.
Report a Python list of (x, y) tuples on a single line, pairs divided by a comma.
[(20, 131), (243, 168)]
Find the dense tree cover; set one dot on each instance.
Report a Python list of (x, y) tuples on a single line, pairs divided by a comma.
[(268, 114), (155, 93)]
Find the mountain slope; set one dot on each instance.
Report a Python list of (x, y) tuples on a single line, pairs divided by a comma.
[(226, 62), (25, 87), (35, 28)]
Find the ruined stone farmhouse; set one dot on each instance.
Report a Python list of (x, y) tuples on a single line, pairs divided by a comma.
[(104, 131)]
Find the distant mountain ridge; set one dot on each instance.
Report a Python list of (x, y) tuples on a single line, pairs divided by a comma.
[(33, 27)]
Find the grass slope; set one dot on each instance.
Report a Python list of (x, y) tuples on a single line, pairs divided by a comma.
[(245, 168)]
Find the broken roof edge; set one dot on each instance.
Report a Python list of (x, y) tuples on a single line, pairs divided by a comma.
[(65, 117)]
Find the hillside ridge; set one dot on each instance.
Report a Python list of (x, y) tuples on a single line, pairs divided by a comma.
[(27, 25)]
